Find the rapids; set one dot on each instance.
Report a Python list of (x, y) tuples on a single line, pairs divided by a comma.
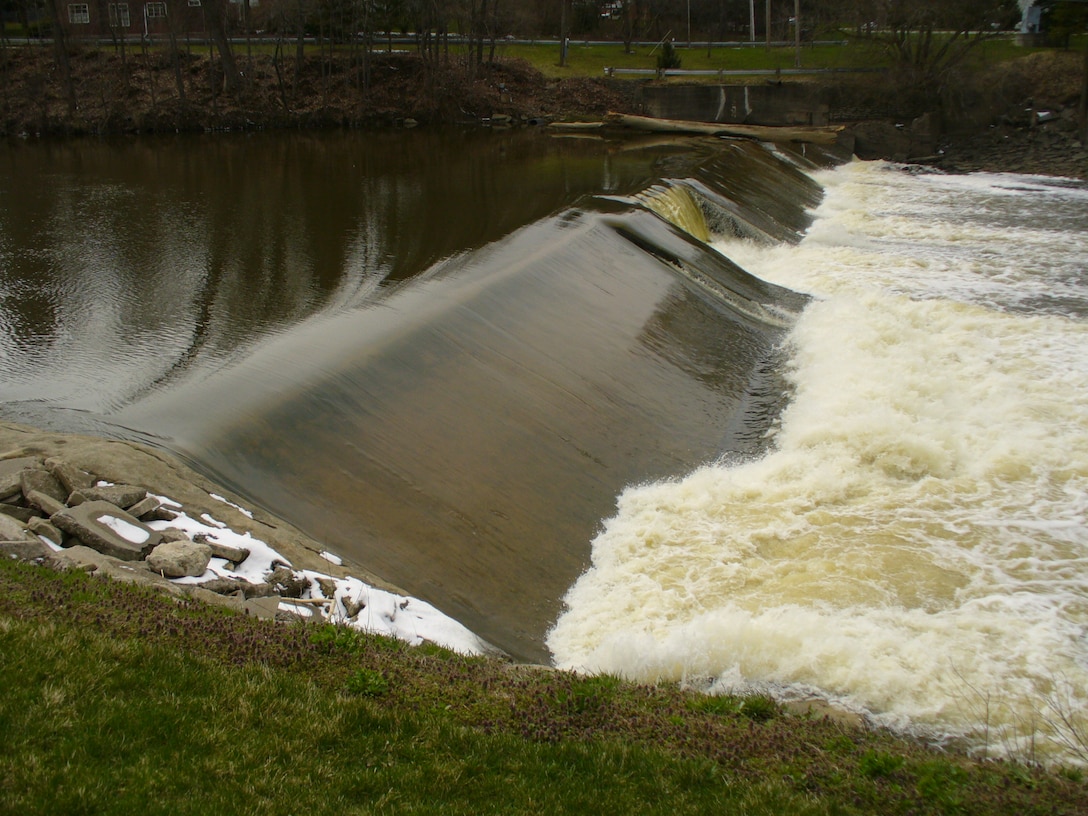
[(913, 546)]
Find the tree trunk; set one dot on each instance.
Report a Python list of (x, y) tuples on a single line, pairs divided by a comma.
[(175, 59), (217, 24), (60, 50)]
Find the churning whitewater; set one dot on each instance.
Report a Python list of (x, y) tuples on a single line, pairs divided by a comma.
[(914, 545)]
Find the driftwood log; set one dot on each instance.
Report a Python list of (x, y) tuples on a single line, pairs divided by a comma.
[(812, 135)]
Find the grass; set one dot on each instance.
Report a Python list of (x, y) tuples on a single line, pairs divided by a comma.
[(584, 59), (592, 59), (118, 700)]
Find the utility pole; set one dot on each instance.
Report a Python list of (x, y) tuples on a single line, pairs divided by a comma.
[(563, 33), (768, 26), (797, 33), (751, 20)]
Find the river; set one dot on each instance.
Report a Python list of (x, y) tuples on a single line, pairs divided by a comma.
[(842, 451)]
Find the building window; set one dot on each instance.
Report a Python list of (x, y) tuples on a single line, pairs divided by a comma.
[(194, 3), (119, 17), (79, 13), (153, 10)]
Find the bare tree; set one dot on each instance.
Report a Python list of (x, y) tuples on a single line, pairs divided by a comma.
[(930, 38)]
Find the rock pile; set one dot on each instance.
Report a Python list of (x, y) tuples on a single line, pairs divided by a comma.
[(60, 515)]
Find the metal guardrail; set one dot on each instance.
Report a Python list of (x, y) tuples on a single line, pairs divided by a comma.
[(668, 72)]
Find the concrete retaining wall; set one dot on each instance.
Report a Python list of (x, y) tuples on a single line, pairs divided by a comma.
[(763, 104)]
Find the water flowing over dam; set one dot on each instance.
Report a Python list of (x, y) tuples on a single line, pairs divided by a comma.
[(703, 410)]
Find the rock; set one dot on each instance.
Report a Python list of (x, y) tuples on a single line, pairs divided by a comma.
[(267, 607), (104, 527), (11, 529), (11, 474), (287, 584), (198, 594), (69, 475), (36, 480), (352, 606), (170, 534), (147, 505), (23, 514), (235, 555), (25, 550), (46, 503), (328, 587), (84, 558), (159, 514), (225, 586), (178, 559), (122, 495), (229, 586), (43, 529)]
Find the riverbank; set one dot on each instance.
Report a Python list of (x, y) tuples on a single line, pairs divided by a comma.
[(115, 93), (127, 512), (1029, 126), (116, 698)]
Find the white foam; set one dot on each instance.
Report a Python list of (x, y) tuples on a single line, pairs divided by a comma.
[(915, 543)]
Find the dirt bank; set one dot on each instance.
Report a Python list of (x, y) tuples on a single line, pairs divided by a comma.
[(134, 92)]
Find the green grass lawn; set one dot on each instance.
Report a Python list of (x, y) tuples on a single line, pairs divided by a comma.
[(115, 700)]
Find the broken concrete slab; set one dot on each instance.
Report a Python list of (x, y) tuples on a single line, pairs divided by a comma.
[(235, 555), (23, 514), (40, 480), (148, 504), (45, 503), (108, 529), (26, 550), (11, 474), (69, 475), (123, 495), (43, 529), (11, 529), (266, 608)]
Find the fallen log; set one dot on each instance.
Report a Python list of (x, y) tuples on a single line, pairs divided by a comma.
[(763, 133), (576, 125)]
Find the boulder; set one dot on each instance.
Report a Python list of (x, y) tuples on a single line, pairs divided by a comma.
[(178, 559), (104, 527)]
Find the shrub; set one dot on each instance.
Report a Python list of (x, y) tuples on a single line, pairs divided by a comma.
[(667, 58)]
